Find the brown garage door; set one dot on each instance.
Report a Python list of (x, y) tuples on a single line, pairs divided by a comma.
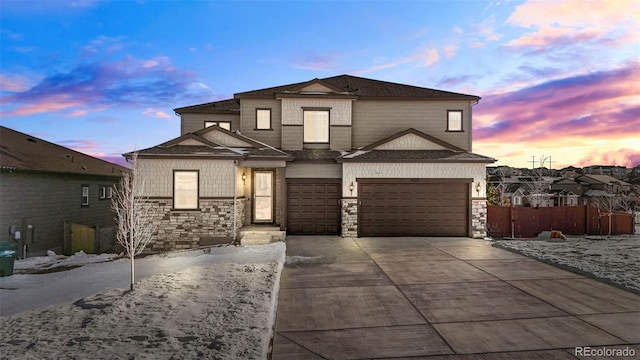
[(313, 206), (413, 209)]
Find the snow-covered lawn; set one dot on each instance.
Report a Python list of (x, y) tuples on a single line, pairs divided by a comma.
[(613, 259), (53, 262), (212, 308)]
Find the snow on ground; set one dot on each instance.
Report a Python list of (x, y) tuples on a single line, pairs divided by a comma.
[(215, 308), (612, 259), (52, 261)]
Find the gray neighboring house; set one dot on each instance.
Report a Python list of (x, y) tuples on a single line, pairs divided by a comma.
[(44, 185), (342, 155)]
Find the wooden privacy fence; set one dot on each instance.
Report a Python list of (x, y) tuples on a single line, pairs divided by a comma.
[(526, 222)]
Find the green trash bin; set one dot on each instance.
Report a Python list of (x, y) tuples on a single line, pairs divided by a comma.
[(7, 257)]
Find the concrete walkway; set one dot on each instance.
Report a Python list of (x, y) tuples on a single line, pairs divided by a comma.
[(441, 298)]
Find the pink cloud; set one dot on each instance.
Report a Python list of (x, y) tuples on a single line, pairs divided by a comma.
[(156, 113), (577, 113), (14, 83), (593, 104), (621, 157), (129, 82), (81, 145), (562, 23)]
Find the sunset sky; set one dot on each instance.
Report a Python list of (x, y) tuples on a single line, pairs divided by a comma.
[(557, 78)]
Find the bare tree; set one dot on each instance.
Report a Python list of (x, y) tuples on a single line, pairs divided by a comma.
[(135, 230), (496, 195), (607, 204), (539, 186)]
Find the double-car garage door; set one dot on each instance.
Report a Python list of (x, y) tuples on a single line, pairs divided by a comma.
[(386, 207), (399, 207)]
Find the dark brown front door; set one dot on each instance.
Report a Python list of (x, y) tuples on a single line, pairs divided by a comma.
[(413, 209), (313, 206)]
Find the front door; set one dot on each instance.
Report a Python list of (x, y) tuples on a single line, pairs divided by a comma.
[(263, 197)]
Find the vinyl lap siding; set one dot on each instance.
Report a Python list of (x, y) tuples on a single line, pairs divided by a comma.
[(194, 122), (374, 120), (248, 120), (46, 201)]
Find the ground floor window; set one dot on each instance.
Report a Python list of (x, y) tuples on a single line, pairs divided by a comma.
[(185, 189)]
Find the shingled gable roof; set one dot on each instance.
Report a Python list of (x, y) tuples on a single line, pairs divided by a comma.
[(19, 151), (362, 88), (450, 153), (212, 150), (228, 106), (413, 132)]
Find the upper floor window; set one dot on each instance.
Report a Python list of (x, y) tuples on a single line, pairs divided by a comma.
[(185, 189), (454, 120), (316, 126), (263, 119), (85, 195), (223, 124), (105, 192)]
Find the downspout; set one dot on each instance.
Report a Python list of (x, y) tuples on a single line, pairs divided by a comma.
[(235, 197)]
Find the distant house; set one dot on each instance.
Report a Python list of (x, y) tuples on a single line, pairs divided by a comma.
[(604, 183), (568, 185), (565, 198), (44, 186)]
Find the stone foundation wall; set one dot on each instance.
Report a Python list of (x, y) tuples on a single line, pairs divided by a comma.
[(185, 229), (479, 218), (349, 217)]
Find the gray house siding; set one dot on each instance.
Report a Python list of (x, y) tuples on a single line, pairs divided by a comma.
[(45, 201), (374, 120), (340, 137), (248, 120), (194, 122), (292, 137)]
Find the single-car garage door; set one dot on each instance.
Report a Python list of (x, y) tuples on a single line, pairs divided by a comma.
[(405, 208), (313, 206)]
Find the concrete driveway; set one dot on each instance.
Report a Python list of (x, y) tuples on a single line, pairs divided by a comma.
[(441, 298)]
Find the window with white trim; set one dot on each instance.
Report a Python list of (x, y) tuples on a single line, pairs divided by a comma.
[(263, 119), (454, 120), (85, 195), (185, 189), (316, 126), (105, 192), (517, 200)]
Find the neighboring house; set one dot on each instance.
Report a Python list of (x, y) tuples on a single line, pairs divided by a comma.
[(604, 183), (565, 198), (518, 197), (567, 185), (342, 155), (44, 185)]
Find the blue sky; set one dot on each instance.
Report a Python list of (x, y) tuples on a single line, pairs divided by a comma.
[(556, 78)]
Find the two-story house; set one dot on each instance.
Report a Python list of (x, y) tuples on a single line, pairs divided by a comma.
[(342, 155)]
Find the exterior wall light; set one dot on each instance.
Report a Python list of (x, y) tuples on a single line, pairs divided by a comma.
[(244, 178), (351, 188), (478, 188)]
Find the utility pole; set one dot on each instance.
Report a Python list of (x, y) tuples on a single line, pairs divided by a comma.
[(533, 162)]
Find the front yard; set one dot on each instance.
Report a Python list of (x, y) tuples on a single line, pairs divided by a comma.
[(214, 310)]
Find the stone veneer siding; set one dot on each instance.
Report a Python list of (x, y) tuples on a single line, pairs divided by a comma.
[(185, 229), (349, 217), (479, 218)]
